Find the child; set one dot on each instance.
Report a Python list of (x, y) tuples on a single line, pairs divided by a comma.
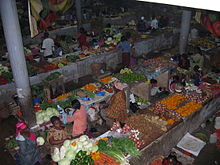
[(58, 50), (197, 75), (57, 134), (28, 152), (154, 88), (79, 118), (173, 83)]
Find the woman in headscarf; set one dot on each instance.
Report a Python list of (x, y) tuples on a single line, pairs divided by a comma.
[(28, 152), (116, 106)]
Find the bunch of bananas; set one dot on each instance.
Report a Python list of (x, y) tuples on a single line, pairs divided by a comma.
[(125, 70)]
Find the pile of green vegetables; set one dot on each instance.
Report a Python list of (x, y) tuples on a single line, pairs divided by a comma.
[(53, 76), (11, 143), (42, 134), (82, 159), (37, 90), (140, 100), (31, 70), (72, 58), (68, 102), (46, 105), (130, 77), (118, 148)]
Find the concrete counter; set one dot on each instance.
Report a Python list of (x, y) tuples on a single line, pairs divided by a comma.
[(162, 41), (71, 72)]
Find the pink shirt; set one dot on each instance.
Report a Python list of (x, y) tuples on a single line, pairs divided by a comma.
[(80, 121)]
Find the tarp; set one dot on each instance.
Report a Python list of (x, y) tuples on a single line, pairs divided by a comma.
[(42, 13)]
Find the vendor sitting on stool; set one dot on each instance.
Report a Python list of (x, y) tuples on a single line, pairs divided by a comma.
[(116, 106)]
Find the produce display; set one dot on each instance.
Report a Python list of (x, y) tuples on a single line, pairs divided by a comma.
[(99, 151), (203, 42), (45, 115), (154, 67), (176, 107), (3, 69), (126, 70), (148, 130), (11, 143), (173, 101), (140, 100), (73, 58), (53, 76), (63, 96), (82, 158), (188, 108), (38, 90), (75, 151), (106, 80), (197, 97), (5, 75), (117, 148), (131, 77), (90, 87), (40, 141)]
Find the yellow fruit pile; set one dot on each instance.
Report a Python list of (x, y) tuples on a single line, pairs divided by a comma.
[(172, 101), (90, 87), (188, 108), (106, 80), (63, 96)]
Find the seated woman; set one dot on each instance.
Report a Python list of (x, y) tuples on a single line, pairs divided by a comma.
[(116, 106), (82, 39), (57, 134), (79, 118), (28, 152)]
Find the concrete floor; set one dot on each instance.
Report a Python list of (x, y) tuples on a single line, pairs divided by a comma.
[(210, 154)]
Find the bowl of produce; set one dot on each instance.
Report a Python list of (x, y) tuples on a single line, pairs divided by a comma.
[(85, 98), (100, 93)]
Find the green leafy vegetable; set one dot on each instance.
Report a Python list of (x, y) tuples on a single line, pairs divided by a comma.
[(82, 158), (11, 143), (46, 105), (53, 76), (130, 77)]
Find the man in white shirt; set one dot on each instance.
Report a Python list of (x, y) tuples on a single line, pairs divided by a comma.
[(47, 46)]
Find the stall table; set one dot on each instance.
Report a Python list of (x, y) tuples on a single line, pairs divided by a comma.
[(164, 144)]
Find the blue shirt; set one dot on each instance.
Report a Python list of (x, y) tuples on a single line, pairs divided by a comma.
[(124, 46)]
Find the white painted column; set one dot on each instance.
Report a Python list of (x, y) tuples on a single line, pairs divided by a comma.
[(14, 43), (78, 12), (184, 31)]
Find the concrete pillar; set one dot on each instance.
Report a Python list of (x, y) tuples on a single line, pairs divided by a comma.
[(184, 31), (14, 44), (78, 12)]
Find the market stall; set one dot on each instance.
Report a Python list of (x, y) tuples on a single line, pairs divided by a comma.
[(72, 71), (164, 40)]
